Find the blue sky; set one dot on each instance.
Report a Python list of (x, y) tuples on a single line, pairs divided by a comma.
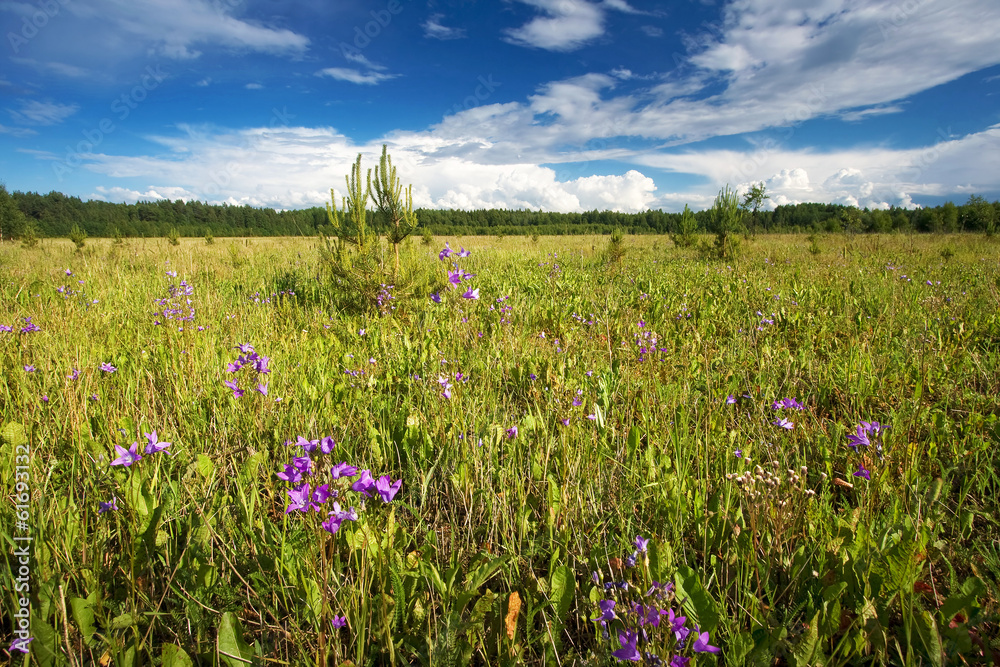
[(562, 105)]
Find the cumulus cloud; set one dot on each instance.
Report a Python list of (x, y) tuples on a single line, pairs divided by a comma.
[(566, 25), (292, 167)]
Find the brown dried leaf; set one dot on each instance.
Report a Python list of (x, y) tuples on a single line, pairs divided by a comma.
[(513, 607)]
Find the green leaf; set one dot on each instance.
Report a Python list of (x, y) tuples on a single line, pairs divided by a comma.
[(14, 434), (634, 435), (175, 656), (431, 573), (697, 602), (807, 650), (480, 575), (563, 587), (971, 589), (83, 615), (205, 466), (126, 620), (233, 651), (927, 630)]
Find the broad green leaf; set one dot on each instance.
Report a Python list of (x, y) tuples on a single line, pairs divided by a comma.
[(174, 656), (927, 630), (807, 651), (697, 602), (233, 650), (563, 587), (14, 434), (205, 466), (83, 615)]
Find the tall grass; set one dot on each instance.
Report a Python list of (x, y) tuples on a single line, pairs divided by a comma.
[(616, 377)]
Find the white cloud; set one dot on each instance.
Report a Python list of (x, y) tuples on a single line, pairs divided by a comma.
[(435, 30), (119, 194), (355, 76), (254, 86), (34, 112), (861, 114), (98, 34), (17, 131), (569, 24), (62, 69)]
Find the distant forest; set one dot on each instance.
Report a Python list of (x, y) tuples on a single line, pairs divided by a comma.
[(55, 214)]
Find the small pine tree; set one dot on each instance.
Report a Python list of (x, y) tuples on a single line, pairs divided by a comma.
[(687, 228), (78, 237), (173, 237), (29, 236), (727, 222), (209, 238)]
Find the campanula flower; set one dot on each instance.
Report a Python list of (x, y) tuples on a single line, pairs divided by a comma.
[(701, 644), (628, 651), (343, 470), (364, 484), (386, 488), (127, 457), (154, 445), (110, 505)]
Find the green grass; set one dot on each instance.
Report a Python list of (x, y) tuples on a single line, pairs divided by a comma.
[(486, 554)]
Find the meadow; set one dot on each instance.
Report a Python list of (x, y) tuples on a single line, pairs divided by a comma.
[(543, 454)]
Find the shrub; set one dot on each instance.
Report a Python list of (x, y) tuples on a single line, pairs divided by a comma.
[(687, 227), (78, 237)]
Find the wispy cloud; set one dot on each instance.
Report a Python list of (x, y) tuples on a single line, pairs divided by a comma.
[(34, 112), (354, 75), (434, 29), (62, 69), (254, 86), (112, 32), (16, 131), (861, 114)]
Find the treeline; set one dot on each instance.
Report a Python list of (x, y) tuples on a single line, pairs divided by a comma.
[(55, 215)]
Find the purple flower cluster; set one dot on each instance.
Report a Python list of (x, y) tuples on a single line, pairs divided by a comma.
[(126, 457), (456, 277), (384, 299), (29, 326), (645, 623), (177, 306), (255, 362), (866, 435), (786, 404), (646, 340), (304, 498)]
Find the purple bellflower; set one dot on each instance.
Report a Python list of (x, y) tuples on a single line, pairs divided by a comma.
[(127, 457), (154, 445), (386, 488)]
